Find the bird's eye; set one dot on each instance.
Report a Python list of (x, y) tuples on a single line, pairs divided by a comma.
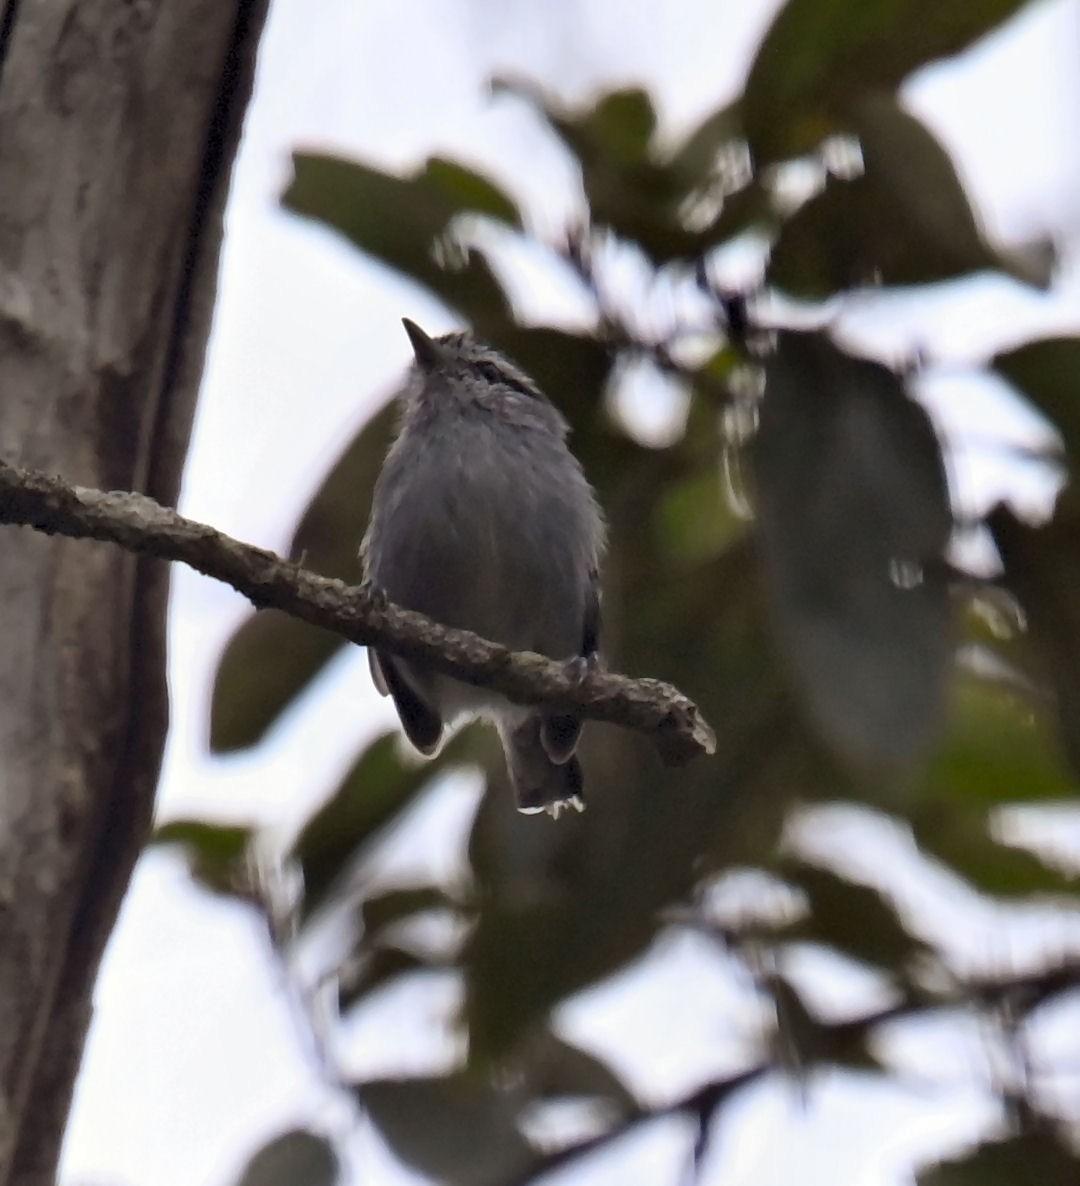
[(495, 374)]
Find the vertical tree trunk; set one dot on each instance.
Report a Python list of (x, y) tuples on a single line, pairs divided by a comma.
[(119, 120)]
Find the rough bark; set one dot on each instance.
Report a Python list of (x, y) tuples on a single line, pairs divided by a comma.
[(118, 125), (141, 525)]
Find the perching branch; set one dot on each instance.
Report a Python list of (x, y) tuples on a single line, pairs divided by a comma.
[(141, 525)]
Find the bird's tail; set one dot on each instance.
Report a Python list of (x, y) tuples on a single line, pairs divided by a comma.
[(539, 783)]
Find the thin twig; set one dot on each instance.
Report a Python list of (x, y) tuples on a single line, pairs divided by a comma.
[(139, 524)]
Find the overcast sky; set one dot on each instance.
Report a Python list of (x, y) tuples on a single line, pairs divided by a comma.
[(194, 1057)]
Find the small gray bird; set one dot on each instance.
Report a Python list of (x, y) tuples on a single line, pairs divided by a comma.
[(482, 519)]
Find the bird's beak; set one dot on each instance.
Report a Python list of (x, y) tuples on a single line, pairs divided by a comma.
[(428, 352)]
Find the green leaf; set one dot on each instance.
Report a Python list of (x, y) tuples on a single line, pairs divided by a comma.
[(805, 1042), (819, 60), (456, 1129), (996, 752), (393, 906), (851, 918), (557, 1069), (853, 516), (374, 969), (1015, 1161), (296, 1158), (959, 835), (622, 123), (561, 905), (272, 658), (1042, 568), (629, 186), (695, 158), (380, 786), (571, 369), (468, 190), (405, 222), (1047, 372), (264, 668), (906, 220), (693, 521), (328, 537), (218, 855)]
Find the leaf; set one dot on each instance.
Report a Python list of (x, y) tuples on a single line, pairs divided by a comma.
[(272, 658), (379, 787), (265, 666), (1015, 1161), (386, 909), (469, 190), (557, 1069), (997, 751), (218, 855), (906, 220), (695, 158), (296, 1158), (561, 905), (629, 186), (851, 918), (819, 60), (405, 222), (1047, 372), (853, 516), (804, 1042), (1042, 568), (693, 520), (571, 369), (378, 967), (959, 835), (328, 537), (621, 124), (456, 1129)]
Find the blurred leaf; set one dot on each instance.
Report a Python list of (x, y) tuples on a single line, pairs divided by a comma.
[(1047, 372), (296, 1158), (906, 220), (556, 1069), (379, 787), (1014, 1161), (455, 1129), (264, 668), (386, 909), (469, 190), (818, 61), (571, 369), (405, 223), (804, 1042), (905, 161), (851, 918), (272, 658), (563, 905), (328, 537), (218, 855), (1042, 568), (854, 513), (996, 751), (375, 969), (629, 186), (693, 519), (621, 125), (695, 158), (959, 835)]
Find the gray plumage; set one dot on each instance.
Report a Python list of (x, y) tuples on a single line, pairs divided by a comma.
[(482, 519)]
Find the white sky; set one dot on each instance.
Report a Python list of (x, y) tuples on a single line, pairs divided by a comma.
[(194, 1057)]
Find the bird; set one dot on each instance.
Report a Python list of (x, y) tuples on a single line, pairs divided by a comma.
[(483, 520)]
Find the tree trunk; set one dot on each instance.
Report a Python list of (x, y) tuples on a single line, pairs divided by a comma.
[(119, 121)]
